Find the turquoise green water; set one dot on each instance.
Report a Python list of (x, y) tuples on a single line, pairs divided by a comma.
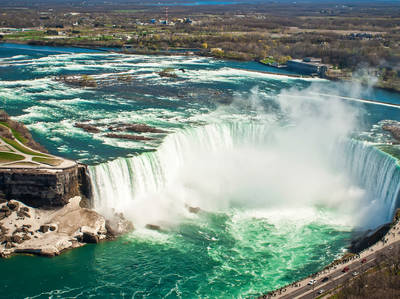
[(216, 258), (244, 146)]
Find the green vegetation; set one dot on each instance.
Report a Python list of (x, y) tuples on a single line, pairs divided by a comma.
[(394, 151), (267, 60), (21, 148), (16, 134), (10, 157), (48, 161)]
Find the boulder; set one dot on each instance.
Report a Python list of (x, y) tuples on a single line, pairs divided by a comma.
[(88, 235), (17, 239), (24, 209), (194, 210), (26, 237), (4, 209), (13, 205), (153, 227), (44, 228)]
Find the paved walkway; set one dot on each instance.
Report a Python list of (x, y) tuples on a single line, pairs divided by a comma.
[(28, 161)]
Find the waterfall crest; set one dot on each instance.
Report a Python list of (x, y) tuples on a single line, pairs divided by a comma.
[(376, 172), (157, 179)]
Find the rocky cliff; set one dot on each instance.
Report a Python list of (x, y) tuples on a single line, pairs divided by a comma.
[(45, 188)]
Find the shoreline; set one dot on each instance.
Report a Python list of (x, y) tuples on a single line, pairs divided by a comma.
[(183, 53), (391, 237)]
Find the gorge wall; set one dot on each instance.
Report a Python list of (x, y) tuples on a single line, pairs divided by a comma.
[(45, 188)]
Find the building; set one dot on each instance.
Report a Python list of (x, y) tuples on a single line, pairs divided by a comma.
[(308, 66)]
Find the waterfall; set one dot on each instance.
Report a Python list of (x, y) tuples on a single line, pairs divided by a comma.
[(157, 178), (378, 173), (117, 183)]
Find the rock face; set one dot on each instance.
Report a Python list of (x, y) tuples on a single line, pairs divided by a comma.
[(45, 187), (369, 238), (50, 232)]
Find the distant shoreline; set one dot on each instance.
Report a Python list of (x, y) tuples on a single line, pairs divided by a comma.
[(200, 54)]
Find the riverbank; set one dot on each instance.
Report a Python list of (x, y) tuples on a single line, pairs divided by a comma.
[(124, 49), (343, 266)]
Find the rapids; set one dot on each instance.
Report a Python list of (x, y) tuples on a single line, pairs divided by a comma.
[(282, 168)]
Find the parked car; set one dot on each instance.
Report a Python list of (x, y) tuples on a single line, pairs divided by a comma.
[(363, 261), (311, 282), (355, 273), (345, 269), (325, 279), (321, 291)]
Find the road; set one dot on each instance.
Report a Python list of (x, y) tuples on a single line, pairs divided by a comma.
[(336, 277)]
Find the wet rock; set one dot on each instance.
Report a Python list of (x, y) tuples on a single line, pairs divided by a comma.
[(87, 128), (128, 137), (136, 128), (118, 225), (194, 210), (153, 227)]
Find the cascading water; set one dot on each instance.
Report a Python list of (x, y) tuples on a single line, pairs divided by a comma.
[(119, 183), (379, 174), (156, 186)]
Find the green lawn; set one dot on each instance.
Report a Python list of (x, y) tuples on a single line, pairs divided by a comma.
[(51, 162), (15, 133), (10, 157), (21, 148)]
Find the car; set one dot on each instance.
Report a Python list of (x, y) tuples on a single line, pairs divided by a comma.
[(325, 279), (363, 261), (355, 273), (345, 269), (312, 282), (321, 291)]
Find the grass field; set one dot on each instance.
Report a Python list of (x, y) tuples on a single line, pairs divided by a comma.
[(21, 148), (51, 162), (15, 133), (10, 157)]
